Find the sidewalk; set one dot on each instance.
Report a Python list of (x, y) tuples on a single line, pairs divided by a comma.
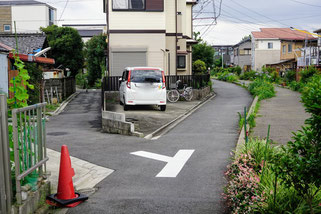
[(285, 113)]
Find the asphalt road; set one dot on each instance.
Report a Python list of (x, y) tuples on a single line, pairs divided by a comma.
[(211, 132)]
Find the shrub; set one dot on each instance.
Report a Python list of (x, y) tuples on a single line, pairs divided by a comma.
[(290, 76), (248, 75), (242, 192), (199, 66), (262, 88), (306, 74), (296, 86)]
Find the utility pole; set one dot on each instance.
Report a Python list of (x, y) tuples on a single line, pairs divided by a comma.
[(222, 58)]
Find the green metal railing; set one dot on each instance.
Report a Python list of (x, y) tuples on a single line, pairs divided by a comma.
[(29, 143)]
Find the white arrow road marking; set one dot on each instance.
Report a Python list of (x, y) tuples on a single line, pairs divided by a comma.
[(174, 164)]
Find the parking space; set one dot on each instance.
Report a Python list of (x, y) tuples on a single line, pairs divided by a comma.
[(148, 119)]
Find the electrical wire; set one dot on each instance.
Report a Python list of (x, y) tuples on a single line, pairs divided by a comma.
[(312, 5), (63, 10)]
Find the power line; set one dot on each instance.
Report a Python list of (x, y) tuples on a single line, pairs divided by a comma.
[(312, 5), (64, 9)]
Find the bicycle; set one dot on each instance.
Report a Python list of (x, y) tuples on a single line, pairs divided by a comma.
[(173, 95)]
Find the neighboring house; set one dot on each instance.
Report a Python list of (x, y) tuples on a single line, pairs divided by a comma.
[(154, 33), (28, 44), (311, 54), (87, 31), (242, 54), (226, 50), (276, 47), (29, 15)]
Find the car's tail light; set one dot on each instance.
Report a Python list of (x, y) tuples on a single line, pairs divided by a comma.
[(128, 80), (163, 83)]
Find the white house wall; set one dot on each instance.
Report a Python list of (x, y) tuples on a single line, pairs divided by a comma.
[(261, 55), (189, 21), (29, 19), (155, 55)]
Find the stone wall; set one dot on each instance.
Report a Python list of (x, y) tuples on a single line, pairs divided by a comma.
[(65, 87)]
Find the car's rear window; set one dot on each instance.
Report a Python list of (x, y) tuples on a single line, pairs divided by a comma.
[(146, 76)]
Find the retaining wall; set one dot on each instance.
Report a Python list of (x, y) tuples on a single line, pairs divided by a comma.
[(115, 123)]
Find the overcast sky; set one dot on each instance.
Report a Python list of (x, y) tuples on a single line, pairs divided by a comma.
[(238, 17)]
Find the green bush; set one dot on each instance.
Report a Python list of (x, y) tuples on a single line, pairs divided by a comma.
[(262, 88), (306, 74), (290, 76), (296, 86), (199, 67), (248, 75)]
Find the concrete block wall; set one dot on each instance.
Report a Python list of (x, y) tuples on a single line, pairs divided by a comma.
[(115, 123)]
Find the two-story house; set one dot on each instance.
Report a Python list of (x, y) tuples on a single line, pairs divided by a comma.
[(29, 16), (154, 33), (277, 47), (242, 54)]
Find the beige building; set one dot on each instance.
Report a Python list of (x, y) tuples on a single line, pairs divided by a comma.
[(155, 33), (277, 47), (29, 16)]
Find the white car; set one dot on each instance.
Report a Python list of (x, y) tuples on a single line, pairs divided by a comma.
[(143, 86)]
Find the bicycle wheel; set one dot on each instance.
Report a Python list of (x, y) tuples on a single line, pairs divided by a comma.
[(173, 96), (188, 94)]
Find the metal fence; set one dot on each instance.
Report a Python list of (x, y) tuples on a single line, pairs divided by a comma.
[(5, 171), (195, 81), (29, 145)]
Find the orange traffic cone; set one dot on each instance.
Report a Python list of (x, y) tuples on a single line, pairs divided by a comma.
[(66, 195)]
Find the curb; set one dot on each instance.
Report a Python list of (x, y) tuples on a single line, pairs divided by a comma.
[(241, 138), (170, 125), (64, 104)]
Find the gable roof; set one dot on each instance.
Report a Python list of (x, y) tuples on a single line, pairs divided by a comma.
[(20, 2), (5, 48), (23, 2), (243, 41), (280, 33), (317, 31), (27, 43)]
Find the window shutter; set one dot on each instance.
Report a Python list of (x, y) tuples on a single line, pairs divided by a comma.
[(155, 5)]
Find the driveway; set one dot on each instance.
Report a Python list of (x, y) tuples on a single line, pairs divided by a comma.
[(210, 132)]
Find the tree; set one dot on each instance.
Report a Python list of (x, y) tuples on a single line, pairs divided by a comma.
[(96, 60), (66, 47), (204, 52), (199, 67)]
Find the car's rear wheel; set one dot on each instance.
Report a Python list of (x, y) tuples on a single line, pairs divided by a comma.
[(162, 107)]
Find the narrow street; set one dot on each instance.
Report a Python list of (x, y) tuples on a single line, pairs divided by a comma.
[(210, 132)]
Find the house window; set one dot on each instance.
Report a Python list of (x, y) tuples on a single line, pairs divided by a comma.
[(51, 17), (7, 28), (283, 49), (270, 45), (289, 48), (128, 4), (181, 61)]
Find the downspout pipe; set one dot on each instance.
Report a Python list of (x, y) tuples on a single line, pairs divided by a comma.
[(176, 38), (108, 37)]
